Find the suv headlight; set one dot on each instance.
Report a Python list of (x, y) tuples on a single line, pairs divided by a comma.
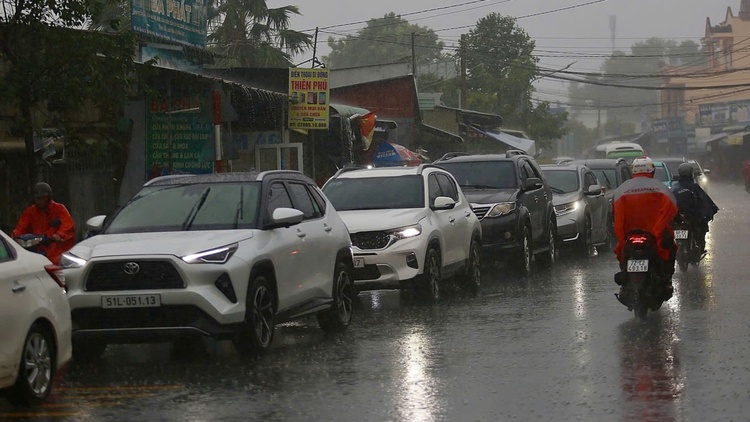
[(68, 260), (563, 209), (212, 256), (406, 232), (501, 209)]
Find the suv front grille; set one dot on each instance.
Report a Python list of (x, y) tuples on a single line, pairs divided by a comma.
[(133, 275), (481, 210), (371, 240)]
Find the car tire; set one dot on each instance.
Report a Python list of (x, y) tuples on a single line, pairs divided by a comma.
[(524, 255), (36, 372), (430, 282), (256, 334), (474, 268), (338, 318), (585, 243), (549, 256), (88, 350)]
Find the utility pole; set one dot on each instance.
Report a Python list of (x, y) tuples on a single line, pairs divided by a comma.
[(414, 58), (462, 59), (598, 119)]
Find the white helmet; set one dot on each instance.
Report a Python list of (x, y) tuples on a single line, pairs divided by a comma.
[(643, 165)]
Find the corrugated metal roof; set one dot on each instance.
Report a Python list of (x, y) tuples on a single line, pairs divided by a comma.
[(347, 111)]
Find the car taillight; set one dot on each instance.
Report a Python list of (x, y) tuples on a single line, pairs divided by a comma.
[(57, 274), (638, 239)]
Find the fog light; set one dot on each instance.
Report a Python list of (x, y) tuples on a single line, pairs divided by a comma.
[(411, 260), (224, 284)]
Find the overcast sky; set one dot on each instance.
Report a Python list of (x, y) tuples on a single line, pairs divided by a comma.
[(580, 30)]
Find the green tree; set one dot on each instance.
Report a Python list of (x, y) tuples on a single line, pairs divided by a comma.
[(254, 35), (384, 40), (47, 66), (501, 69)]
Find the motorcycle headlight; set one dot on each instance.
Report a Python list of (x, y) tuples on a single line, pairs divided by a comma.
[(567, 208), (212, 256), (68, 260), (501, 209), (406, 232)]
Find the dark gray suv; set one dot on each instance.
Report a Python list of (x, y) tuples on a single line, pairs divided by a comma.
[(511, 198)]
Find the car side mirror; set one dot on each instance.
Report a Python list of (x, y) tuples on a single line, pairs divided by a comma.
[(706, 171), (443, 203), (533, 183), (96, 224), (286, 217), (594, 190)]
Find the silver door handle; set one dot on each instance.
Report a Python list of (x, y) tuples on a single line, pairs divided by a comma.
[(301, 234), (536, 199), (19, 288), (327, 228), (451, 219)]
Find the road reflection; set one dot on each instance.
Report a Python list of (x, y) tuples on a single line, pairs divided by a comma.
[(652, 378)]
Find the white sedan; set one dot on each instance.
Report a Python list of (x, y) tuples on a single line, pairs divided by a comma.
[(36, 327)]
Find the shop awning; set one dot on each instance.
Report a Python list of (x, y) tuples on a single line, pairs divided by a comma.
[(702, 145), (737, 138), (526, 145), (440, 133)]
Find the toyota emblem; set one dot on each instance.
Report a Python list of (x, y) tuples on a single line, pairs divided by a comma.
[(131, 268)]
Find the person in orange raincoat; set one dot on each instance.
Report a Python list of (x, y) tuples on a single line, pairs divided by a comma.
[(49, 218), (644, 203)]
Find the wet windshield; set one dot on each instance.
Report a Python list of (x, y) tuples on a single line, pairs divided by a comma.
[(222, 206), (483, 174), (562, 181), (661, 174), (376, 193)]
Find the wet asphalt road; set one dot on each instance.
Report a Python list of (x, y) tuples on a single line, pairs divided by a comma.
[(554, 346)]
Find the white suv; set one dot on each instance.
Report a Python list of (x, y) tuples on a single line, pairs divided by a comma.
[(221, 255), (410, 226)]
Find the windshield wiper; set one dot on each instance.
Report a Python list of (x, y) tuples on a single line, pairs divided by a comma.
[(194, 211), (479, 187), (240, 214)]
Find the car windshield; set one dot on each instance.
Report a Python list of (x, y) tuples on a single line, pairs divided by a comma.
[(673, 165), (608, 177), (562, 181), (483, 174), (376, 193), (661, 173), (218, 206)]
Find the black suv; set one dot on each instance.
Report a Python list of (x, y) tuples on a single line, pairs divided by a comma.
[(611, 172), (511, 198)]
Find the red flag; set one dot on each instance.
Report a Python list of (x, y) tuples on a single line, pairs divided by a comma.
[(367, 128)]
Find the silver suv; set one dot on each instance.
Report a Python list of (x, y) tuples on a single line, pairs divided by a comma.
[(223, 255), (410, 227)]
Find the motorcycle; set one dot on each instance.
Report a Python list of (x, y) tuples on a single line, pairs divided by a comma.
[(687, 246), (641, 287), (34, 243)]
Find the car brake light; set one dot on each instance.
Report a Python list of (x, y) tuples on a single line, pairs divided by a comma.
[(57, 274), (638, 239)]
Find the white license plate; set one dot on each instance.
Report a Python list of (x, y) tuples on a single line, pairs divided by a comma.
[(359, 263), (680, 234), (131, 301), (638, 265)]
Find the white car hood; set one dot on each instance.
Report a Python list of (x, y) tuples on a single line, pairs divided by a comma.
[(375, 220), (162, 243)]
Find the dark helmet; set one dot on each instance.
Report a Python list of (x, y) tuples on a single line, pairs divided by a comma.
[(685, 171), (41, 190)]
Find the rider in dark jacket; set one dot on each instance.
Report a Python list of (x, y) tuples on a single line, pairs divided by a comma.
[(694, 203)]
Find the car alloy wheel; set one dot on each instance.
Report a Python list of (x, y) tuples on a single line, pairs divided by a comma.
[(338, 318), (36, 372), (432, 277), (526, 250), (263, 316)]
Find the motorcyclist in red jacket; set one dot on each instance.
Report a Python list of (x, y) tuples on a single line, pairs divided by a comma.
[(48, 218), (644, 203)]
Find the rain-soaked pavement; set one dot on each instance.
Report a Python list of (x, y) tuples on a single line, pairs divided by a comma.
[(555, 346)]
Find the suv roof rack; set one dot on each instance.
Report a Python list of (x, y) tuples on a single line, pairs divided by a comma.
[(450, 155), (422, 167), (513, 152)]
